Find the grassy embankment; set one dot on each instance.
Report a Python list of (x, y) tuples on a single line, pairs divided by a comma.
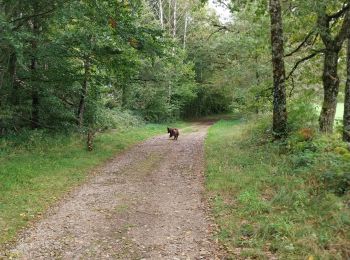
[(286, 199), (35, 173)]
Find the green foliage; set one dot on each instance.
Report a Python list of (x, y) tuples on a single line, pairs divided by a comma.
[(64, 65), (118, 119), (302, 113), (277, 199)]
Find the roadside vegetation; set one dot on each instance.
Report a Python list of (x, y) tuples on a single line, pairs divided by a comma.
[(288, 199), (91, 74)]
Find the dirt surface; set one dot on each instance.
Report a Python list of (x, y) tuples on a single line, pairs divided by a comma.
[(146, 203)]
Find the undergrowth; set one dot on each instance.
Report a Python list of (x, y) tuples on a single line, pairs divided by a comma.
[(285, 198)]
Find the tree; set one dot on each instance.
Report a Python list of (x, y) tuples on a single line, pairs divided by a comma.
[(279, 93), (333, 45), (346, 118)]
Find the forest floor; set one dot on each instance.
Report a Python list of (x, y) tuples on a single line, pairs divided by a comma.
[(146, 203)]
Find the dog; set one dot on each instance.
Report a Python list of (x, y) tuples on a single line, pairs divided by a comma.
[(173, 132)]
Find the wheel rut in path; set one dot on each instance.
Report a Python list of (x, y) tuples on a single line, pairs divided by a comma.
[(146, 203)]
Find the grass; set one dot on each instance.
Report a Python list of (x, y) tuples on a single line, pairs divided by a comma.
[(36, 173), (270, 200)]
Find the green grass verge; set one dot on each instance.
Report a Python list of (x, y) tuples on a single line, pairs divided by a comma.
[(268, 200), (34, 174)]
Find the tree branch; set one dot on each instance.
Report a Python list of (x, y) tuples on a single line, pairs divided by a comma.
[(301, 44), (32, 16), (340, 12), (303, 60), (344, 30), (220, 28)]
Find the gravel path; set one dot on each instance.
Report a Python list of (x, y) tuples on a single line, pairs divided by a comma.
[(146, 203)]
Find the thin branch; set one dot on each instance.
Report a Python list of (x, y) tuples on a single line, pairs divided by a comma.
[(314, 40), (218, 30), (339, 13), (344, 30), (68, 102), (32, 16), (301, 44), (293, 86), (303, 60), (222, 27)]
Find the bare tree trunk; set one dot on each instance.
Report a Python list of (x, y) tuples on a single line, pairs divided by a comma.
[(174, 19), (33, 68), (279, 89), (161, 13), (169, 15), (330, 90), (84, 90), (330, 77), (257, 77), (90, 140), (346, 118), (35, 104), (185, 30)]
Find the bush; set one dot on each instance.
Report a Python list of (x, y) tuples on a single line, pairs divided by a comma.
[(302, 113), (337, 183), (117, 119)]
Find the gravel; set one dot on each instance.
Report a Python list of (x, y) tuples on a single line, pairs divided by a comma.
[(146, 203)]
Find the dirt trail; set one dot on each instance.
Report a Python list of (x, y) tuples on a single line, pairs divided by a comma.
[(147, 203)]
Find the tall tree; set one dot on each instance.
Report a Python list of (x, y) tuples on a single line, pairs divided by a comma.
[(333, 45), (346, 118), (279, 87)]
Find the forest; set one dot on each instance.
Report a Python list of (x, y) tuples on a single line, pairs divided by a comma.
[(74, 73), (70, 66)]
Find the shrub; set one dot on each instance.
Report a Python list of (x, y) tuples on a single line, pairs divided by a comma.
[(302, 113), (337, 183), (117, 119)]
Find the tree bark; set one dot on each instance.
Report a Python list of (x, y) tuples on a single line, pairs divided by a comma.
[(84, 89), (279, 89), (161, 13), (169, 15), (185, 30), (33, 68), (330, 90), (257, 77), (346, 117), (11, 78), (330, 77), (174, 19)]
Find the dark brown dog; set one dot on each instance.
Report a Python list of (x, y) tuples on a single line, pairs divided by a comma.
[(173, 132)]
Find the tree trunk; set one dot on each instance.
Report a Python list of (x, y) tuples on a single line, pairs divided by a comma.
[(161, 14), (185, 30), (174, 19), (11, 78), (330, 78), (84, 90), (330, 90), (279, 89), (33, 68), (35, 95), (169, 15), (346, 118), (257, 77)]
